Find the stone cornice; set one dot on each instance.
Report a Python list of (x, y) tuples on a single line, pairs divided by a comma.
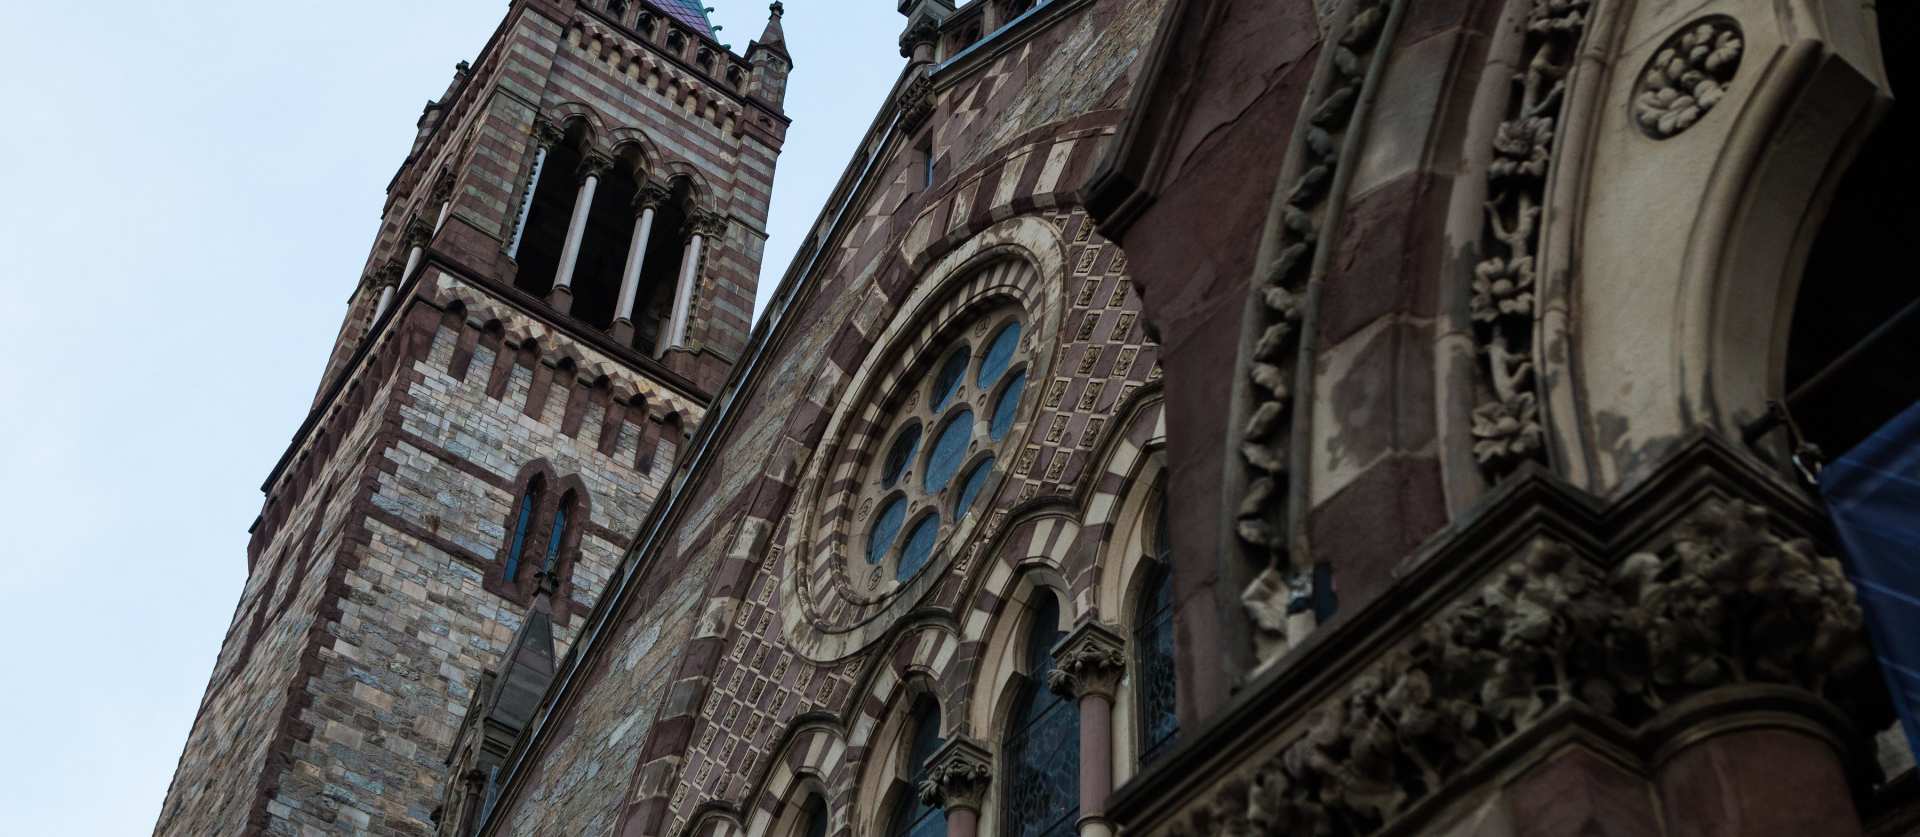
[(1544, 608)]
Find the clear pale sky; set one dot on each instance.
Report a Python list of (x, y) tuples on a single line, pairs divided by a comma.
[(189, 192)]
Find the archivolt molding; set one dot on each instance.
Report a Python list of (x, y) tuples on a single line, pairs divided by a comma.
[(1279, 328), (1727, 602)]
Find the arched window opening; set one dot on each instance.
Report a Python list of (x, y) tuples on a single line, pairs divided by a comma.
[(813, 819), (1155, 682), (603, 245), (660, 269), (912, 817), (545, 235), (559, 533), (523, 518), (1856, 325), (1042, 779)]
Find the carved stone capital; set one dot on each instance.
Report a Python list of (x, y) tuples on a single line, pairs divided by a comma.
[(547, 134), (442, 189), (707, 225), (922, 33), (417, 233), (387, 275), (594, 164), (651, 196), (958, 775), (1089, 661)]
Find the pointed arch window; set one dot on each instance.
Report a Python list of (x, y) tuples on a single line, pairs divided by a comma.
[(912, 817), (523, 519), (1042, 789), (1153, 645), (814, 819)]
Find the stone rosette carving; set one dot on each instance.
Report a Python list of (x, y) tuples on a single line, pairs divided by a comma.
[(1727, 601), (1688, 76), (1507, 429), (958, 775), (1265, 443), (1089, 661)]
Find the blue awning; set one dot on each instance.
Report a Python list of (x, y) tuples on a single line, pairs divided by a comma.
[(1873, 493)]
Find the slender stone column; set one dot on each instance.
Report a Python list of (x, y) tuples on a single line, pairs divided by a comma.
[(958, 775), (651, 196), (1088, 665), (591, 168), (387, 278), (442, 196), (547, 135), (700, 228)]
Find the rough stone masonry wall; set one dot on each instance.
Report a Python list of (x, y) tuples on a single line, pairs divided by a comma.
[(215, 787), (418, 625)]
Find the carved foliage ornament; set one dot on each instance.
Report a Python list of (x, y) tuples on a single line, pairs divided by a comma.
[(1728, 602), (1265, 444), (959, 776), (1688, 76), (1506, 421)]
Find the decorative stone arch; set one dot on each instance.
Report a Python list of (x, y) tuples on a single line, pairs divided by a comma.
[(917, 664), (1694, 335), (625, 139), (813, 753), (700, 195), (714, 819), (567, 114), (995, 667), (555, 489)]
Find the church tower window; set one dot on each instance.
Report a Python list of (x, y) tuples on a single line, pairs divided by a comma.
[(1153, 645), (911, 816), (522, 519)]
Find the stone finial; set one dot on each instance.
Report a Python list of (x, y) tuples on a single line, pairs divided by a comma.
[(958, 775), (1089, 661)]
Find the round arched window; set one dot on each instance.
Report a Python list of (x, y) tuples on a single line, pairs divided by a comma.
[(935, 451)]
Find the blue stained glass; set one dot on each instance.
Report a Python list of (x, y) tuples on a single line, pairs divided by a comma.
[(911, 817), (899, 455), (1007, 407), (999, 353), (1043, 741), (886, 526), (559, 534), (1156, 681), (520, 528), (947, 382), (970, 490), (948, 449), (919, 547)]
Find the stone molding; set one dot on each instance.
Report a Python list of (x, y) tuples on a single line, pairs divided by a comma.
[(1507, 428), (1089, 661), (958, 775), (1541, 611)]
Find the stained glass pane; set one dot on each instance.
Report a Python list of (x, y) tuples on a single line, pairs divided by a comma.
[(899, 455), (948, 449), (1043, 741), (913, 818), (919, 547), (999, 353), (1153, 640), (559, 533), (886, 526), (947, 382), (970, 490), (1005, 409), (520, 529)]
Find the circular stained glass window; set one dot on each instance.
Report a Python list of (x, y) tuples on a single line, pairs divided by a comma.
[(936, 459)]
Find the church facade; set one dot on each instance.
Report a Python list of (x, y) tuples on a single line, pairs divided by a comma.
[(1184, 417)]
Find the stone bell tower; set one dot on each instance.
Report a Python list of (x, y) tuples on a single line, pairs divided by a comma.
[(564, 275)]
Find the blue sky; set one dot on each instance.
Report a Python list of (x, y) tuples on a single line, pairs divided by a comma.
[(191, 189)]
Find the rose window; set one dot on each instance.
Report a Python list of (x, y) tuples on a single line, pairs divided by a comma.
[(936, 450)]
